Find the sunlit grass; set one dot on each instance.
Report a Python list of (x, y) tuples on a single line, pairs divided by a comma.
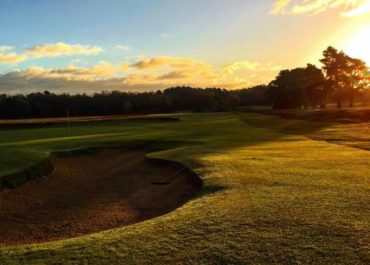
[(269, 196)]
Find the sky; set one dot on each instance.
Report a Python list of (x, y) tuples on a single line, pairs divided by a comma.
[(78, 46)]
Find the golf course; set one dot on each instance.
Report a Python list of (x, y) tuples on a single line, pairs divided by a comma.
[(187, 132), (186, 188)]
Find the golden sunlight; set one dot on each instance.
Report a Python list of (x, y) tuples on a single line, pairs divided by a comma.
[(358, 45)]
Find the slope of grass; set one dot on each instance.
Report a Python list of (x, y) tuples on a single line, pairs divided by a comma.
[(351, 134), (268, 197)]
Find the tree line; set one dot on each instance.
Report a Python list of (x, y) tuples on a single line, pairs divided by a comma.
[(341, 79), (47, 104)]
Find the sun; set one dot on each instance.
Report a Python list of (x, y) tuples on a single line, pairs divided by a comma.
[(358, 45)]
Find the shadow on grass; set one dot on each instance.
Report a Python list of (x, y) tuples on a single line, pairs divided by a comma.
[(283, 125), (354, 135), (211, 189)]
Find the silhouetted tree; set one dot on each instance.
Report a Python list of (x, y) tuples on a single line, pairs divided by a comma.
[(315, 87), (357, 78), (346, 74), (299, 87), (334, 67)]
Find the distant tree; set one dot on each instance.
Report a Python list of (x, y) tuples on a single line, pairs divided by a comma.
[(48, 104)]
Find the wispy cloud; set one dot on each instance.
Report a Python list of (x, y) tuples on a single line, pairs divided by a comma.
[(12, 58), (313, 7), (62, 49), (46, 50), (162, 61), (100, 71)]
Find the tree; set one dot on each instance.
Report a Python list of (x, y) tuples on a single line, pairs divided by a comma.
[(299, 87), (357, 78), (346, 74), (335, 66), (315, 87), (285, 91)]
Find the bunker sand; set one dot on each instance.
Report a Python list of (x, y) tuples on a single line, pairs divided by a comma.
[(91, 193)]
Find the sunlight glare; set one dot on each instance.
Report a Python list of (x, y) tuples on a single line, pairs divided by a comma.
[(358, 45)]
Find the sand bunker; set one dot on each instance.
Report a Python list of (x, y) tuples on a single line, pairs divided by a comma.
[(91, 193)]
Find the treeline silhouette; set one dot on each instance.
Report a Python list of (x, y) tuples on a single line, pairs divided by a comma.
[(341, 79), (114, 103)]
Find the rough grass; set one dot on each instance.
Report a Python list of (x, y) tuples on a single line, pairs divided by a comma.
[(268, 197)]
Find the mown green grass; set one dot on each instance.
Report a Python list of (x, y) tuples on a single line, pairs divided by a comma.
[(268, 196)]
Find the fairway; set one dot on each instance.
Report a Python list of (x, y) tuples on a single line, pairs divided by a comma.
[(269, 195)]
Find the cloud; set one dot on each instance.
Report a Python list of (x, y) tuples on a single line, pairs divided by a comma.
[(12, 58), (123, 47), (175, 75), (100, 71), (71, 81), (62, 49), (170, 70), (314, 7), (46, 50), (145, 74), (163, 61), (250, 73), (178, 71), (250, 66)]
